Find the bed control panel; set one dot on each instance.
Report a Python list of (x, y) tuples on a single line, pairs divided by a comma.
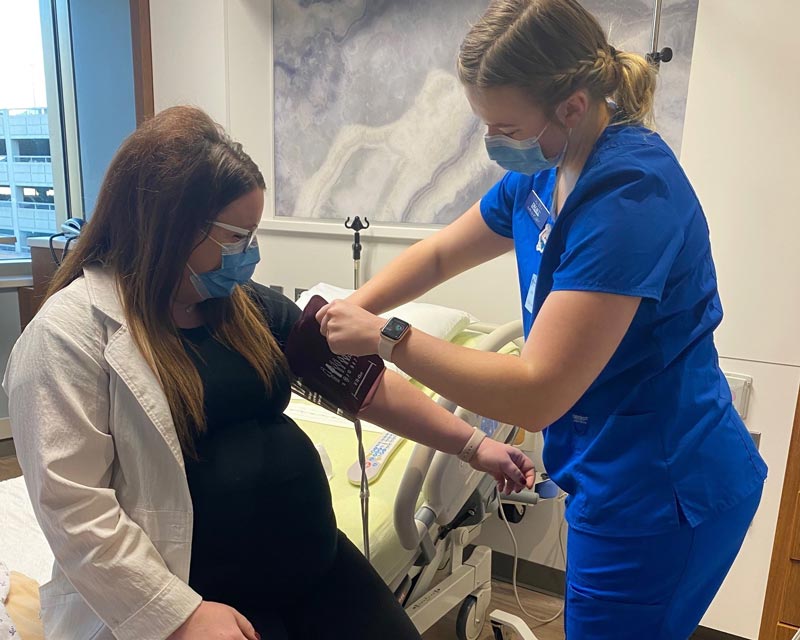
[(377, 458)]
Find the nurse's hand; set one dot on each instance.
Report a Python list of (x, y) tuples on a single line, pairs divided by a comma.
[(511, 468), (215, 621), (350, 329)]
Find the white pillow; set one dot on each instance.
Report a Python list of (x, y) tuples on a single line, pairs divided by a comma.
[(327, 291), (433, 319)]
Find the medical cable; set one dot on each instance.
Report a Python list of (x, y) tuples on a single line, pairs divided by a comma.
[(536, 619), (362, 462), (315, 398), (67, 242)]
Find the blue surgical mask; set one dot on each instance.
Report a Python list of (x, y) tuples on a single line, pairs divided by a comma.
[(239, 260), (522, 156)]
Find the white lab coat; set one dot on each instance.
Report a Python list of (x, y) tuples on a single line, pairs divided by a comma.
[(104, 470)]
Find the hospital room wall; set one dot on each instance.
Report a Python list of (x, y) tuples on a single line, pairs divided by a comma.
[(212, 54), (738, 149)]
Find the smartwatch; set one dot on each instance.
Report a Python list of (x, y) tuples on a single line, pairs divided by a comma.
[(392, 333)]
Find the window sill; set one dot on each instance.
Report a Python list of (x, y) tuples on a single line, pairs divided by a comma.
[(14, 282), (15, 273)]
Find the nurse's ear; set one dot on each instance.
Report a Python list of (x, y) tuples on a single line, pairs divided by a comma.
[(572, 111)]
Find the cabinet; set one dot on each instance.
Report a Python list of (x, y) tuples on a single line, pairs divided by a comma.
[(42, 268), (781, 618)]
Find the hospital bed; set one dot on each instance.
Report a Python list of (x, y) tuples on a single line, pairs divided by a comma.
[(426, 510)]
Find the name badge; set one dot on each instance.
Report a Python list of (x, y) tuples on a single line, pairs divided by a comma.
[(536, 210)]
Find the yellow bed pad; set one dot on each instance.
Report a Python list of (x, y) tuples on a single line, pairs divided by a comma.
[(388, 556)]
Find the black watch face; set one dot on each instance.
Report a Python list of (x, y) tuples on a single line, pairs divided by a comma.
[(395, 329)]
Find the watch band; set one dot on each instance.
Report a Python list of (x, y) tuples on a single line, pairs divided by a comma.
[(471, 448), (385, 348)]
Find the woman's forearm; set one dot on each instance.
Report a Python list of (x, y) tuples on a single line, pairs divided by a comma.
[(401, 408), (405, 410), (574, 337), (410, 275), (501, 387)]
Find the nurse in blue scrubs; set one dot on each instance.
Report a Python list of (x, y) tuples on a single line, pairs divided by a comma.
[(620, 303)]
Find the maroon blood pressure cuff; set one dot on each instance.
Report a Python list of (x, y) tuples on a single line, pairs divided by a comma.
[(348, 382)]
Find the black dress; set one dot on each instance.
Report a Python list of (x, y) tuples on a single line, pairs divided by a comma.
[(265, 539)]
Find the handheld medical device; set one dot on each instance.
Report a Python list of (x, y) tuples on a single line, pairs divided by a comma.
[(70, 230), (72, 227)]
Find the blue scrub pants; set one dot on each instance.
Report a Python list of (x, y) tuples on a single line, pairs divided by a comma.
[(655, 587)]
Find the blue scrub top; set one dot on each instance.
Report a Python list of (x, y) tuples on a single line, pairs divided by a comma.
[(655, 441)]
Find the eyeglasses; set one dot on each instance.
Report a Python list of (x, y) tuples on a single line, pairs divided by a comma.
[(248, 235)]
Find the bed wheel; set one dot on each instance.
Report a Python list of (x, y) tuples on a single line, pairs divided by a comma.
[(471, 619), (514, 512)]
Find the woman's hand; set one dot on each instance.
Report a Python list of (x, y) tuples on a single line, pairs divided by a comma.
[(214, 621), (350, 329), (512, 469)]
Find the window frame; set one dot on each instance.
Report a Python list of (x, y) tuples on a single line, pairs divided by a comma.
[(62, 116)]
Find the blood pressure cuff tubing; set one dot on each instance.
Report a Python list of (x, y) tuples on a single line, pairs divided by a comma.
[(348, 382)]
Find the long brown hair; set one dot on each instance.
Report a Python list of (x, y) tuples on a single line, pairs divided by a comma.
[(168, 181), (552, 48)]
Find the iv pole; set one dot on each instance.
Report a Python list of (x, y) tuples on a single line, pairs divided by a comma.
[(357, 227), (656, 57)]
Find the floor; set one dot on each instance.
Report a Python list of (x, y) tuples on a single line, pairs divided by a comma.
[(540, 605), (9, 468)]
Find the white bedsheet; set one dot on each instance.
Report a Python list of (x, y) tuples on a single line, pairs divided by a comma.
[(23, 547), (300, 409)]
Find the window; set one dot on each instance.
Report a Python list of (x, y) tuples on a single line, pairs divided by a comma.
[(33, 166), (35, 148), (37, 194), (67, 100)]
